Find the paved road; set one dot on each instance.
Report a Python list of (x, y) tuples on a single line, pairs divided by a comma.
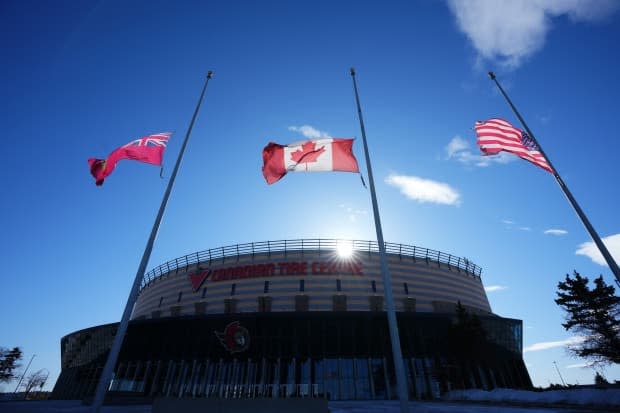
[(73, 406)]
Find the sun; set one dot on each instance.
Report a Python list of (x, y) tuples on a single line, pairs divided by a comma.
[(344, 249)]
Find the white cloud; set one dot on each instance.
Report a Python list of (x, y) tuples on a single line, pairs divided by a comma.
[(309, 132), (544, 119), (458, 148), (590, 250), (546, 345), (353, 213), (509, 31), (553, 231), (579, 365), (457, 144), (424, 190), (492, 288), (509, 225)]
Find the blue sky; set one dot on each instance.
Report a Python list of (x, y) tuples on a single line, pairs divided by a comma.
[(82, 78)]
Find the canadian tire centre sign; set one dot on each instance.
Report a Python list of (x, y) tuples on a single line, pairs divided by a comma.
[(275, 269)]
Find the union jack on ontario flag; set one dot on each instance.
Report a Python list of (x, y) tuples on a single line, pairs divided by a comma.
[(148, 149)]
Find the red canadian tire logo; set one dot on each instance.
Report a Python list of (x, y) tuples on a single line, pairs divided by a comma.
[(235, 338), (198, 278)]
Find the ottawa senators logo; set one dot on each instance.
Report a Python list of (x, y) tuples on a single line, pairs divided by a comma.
[(234, 338)]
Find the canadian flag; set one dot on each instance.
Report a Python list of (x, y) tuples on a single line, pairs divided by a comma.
[(319, 155)]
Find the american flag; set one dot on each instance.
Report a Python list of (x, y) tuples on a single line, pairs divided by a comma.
[(158, 139), (497, 135)]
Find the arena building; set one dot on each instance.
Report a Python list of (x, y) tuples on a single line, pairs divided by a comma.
[(302, 318)]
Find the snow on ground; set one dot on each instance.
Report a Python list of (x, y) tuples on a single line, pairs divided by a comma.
[(442, 407), (580, 397)]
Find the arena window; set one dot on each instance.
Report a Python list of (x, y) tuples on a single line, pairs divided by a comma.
[(200, 308), (302, 302), (375, 303), (175, 311), (264, 304), (230, 305), (339, 302), (409, 304)]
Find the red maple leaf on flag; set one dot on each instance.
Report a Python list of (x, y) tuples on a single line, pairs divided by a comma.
[(308, 153)]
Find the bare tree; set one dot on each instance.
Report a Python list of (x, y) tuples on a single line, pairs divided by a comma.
[(35, 380)]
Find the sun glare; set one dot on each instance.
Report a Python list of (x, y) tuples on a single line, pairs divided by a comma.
[(344, 249)]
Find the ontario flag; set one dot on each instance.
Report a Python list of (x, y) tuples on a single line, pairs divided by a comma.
[(497, 135), (318, 155), (149, 149)]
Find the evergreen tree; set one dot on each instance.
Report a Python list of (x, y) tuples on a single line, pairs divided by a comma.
[(9, 363), (467, 337), (599, 380), (593, 313)]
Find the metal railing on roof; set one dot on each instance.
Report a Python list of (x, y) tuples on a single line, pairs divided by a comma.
[(310, 245)]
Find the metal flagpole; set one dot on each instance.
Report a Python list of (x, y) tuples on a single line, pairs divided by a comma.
[(401, 380), (106, 375), (559, 374), (23, 374), (597, 240)]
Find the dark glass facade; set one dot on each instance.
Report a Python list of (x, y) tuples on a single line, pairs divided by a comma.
[(338, 355)]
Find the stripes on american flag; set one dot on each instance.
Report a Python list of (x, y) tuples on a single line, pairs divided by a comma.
[(497, 135)]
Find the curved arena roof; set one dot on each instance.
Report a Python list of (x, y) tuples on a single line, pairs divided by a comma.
[(325, 274)]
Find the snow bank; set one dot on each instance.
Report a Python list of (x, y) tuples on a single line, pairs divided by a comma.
[(581, 397)]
